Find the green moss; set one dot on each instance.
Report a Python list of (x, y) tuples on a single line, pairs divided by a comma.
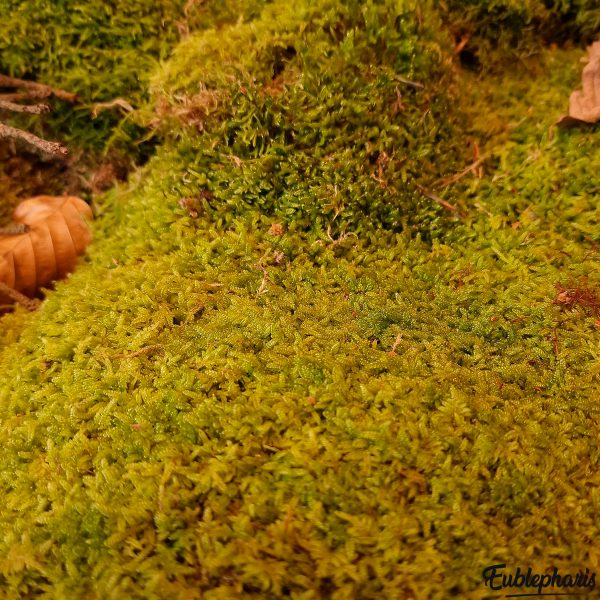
[(100, 52), (206, 409), (494, 32), (328, 117)]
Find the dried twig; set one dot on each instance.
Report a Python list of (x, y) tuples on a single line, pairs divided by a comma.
[(43, 146), (464, 40), (31, 95), (472, 167), (39, 88), (33, 90), (436, 198), (398, 339), (414, 84), (29, 303), (398, 106), (35, 109)]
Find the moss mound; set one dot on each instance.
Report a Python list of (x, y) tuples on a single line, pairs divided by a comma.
[(100, 51), (330, 116), (283, 372)]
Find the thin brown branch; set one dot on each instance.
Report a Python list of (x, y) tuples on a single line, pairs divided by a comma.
[(28, 303), (35, 109), (414, 84), (31, 95), (458, 48), (43, 146), (13, 82), (456, 177), (436, 198), (398, 106)]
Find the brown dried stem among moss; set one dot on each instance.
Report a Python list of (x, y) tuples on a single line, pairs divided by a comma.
[(30, 90)]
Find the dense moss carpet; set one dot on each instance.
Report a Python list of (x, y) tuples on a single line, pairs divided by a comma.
[(285, 371)]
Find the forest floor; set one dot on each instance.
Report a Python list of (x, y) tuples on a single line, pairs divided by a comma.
[(244, 409)]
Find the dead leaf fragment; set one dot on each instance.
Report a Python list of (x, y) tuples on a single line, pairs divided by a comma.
[(276, 229), (584, 105), (117, 102), (56, 234), (192, 205), (578, 294)]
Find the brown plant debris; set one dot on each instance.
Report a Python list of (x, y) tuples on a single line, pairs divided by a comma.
[(36, 90), (276, 229), (475, 167), (56, 234), (578, 295), (117, 102), (436, 198), (114, 168), (192, 111), (584, 105), (193, 206), (28, 90), (36, 143), (35, 109), (8, 292)]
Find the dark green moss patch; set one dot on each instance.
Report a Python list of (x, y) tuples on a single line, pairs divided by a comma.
[(359, 115), (490, 33)]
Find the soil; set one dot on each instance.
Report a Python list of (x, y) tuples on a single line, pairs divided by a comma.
[(24, 174)]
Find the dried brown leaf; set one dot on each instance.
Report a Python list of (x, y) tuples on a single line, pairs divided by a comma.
[(584, 105), (276, 229), (57, 233)]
